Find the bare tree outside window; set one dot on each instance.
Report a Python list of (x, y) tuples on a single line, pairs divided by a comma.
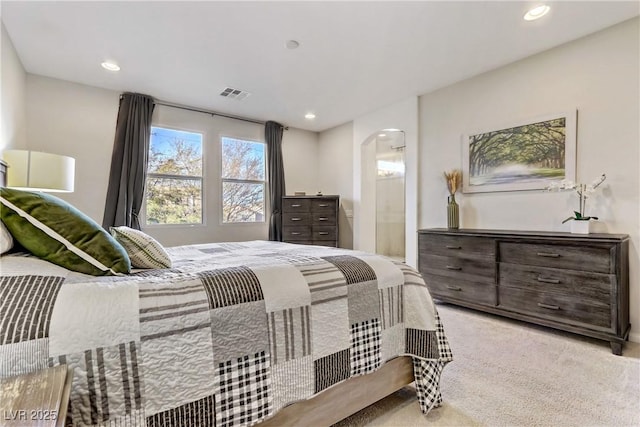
[(174, 177), (243, 180)]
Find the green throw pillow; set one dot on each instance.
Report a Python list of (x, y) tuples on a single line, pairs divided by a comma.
[(53, 230), (144, 251), (6, 240)]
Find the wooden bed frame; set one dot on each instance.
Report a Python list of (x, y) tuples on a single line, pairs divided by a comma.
[(340, 401), (347, 398)]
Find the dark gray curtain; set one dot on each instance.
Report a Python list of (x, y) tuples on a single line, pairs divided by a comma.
[(129, 161), (275, 173)]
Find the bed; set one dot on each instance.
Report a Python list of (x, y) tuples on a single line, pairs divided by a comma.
[(236, 333)]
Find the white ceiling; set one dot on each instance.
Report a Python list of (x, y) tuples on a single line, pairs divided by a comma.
[(354, 57)]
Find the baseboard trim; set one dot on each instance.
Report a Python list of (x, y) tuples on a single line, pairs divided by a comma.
[(634, 337)]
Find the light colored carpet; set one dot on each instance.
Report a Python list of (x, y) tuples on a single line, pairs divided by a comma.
[(508, 373)]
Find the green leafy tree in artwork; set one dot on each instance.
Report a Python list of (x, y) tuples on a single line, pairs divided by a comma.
[(538, 146)]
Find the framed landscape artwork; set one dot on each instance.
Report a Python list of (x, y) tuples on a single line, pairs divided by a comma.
[(524, 156)]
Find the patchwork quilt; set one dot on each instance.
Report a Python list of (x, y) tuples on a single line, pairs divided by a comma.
[(227, 337)]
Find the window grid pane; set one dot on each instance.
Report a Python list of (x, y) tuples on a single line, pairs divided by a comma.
[(242, 202), (175, 152), (174, 182), (174, 201), (243, 159)]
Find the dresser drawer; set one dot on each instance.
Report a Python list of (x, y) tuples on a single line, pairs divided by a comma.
[(296, 219), (462, 290), (324, 218), (558, 307), (330, 243), (466, 269), (296, 233), (324, 206), (324, 232), (296, 205), (588, 258), (579, 284), (457, 246)]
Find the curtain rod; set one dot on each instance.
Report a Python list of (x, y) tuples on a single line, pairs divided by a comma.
[(213, 113)]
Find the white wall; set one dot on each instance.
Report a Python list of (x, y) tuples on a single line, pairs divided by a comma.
[(598, 75), (79, 121), (335, 176), (300, 157), (13, 133), (404, 116)]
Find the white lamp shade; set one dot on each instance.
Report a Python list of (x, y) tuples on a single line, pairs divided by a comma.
[(37, 171)]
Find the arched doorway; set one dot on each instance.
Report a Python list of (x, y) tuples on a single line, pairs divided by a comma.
[(383, 184)]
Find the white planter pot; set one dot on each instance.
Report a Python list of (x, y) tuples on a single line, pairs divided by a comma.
[(580, 227)]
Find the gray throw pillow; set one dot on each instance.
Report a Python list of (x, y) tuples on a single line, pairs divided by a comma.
[(144, 251)]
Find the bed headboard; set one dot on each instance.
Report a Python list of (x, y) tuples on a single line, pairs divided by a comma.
[(3, 173)]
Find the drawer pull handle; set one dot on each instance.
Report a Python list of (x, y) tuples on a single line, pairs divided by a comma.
[(295, 206), (545, 280), (324, 233), (548, 254), (323, 205), (550, 307), (295, 233), (451, 267), (322, 218), (296, 219), (454, 288), (454, 247)]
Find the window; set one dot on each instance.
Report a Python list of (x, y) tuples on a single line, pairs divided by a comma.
[(174, 177), (243, 180)]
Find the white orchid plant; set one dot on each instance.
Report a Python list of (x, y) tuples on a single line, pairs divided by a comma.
[(583, 190)]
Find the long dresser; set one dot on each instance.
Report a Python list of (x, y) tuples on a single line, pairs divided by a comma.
[(310, 220), (576, 283)]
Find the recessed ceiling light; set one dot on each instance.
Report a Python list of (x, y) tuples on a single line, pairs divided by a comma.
[(537, 12), (292, 44), (111, 66), (382, 135), (309, 116)]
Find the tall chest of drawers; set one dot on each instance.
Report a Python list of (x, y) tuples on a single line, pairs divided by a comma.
[(576, 283), (310, 220)]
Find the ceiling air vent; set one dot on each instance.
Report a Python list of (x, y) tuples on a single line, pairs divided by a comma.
[(236, 94)]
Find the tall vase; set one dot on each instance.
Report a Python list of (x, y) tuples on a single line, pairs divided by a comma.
[(453, 217)]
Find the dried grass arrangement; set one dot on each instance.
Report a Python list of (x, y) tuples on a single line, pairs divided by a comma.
[(454, 180)]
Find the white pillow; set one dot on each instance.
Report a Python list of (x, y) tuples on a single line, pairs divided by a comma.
[(6, 239), (144, 251)]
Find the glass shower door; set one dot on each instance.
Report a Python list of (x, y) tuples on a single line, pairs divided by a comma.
[(390, 194)]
